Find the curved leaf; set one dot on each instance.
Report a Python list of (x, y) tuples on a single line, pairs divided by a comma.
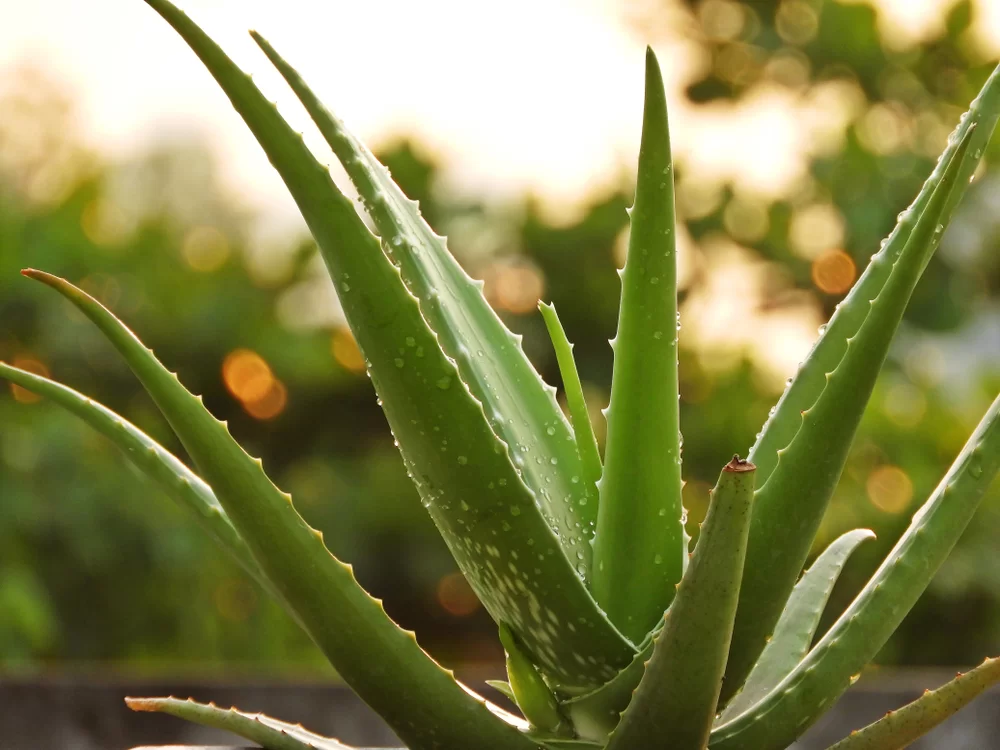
[(259, 728), (152, 459), (415, 696), (795, 629), (522, 410), (583, 430), (465, 474), (897, 729)]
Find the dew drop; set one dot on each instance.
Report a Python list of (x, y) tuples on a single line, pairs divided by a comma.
[(399, 362), (463, 460), (444, 383), (550, 430)]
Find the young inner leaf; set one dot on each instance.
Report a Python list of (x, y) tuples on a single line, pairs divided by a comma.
[(639, 525)]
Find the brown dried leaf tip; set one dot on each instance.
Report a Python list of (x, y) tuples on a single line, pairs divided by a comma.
[(738, 465)]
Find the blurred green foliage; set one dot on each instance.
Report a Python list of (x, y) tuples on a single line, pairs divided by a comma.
[(97, 566)]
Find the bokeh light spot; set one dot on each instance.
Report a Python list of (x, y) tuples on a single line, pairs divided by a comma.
[(104, 223), (271, 404), (247, 376), (30, 364), (456, 597), (205, 249), (346, 352), (796, 22), (834, 272), (514, 286), (889, 489)]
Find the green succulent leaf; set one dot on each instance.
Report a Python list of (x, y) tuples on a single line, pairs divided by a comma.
[(583, 429), (596, 713), (676, 700), (503, 687), (152, 459), (897, 729), (795, 629), (856, 637), (468, 479), (639, 516), (830, 348), (531, 694), (350, 627), (259, 728), (794, 495), (521, 408)]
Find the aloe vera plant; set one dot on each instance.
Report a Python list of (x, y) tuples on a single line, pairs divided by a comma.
[(616, 635)]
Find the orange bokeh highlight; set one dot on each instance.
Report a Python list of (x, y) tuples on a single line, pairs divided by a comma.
[(346, 352), (250, 379), (30, 364), (889, 489), (833, 272)]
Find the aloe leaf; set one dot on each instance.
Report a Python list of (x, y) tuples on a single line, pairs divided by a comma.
[(152, 459), (350, 626), (830, 348), (792, 500), (795, 629), (259, 728), (503, 687), (857, 636), (521, 408), (675, 702), (897, 729), (465, 474), (583, 430), (639, 516), (596, 713), (531, 694)]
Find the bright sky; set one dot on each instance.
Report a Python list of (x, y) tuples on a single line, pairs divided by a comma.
[(540, 94)]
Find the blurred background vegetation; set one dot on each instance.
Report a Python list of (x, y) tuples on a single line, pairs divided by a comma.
[(97, 568)]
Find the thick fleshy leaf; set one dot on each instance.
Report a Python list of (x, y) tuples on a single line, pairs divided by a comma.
[(521, 409), (152, 459), (897, 729), (583, 430), (596, 713), (861, 631), (531, 694), (795, 630), (675, 702), (259, 728), (467, 478), (415, 696), (639, 517), (792, 499)]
